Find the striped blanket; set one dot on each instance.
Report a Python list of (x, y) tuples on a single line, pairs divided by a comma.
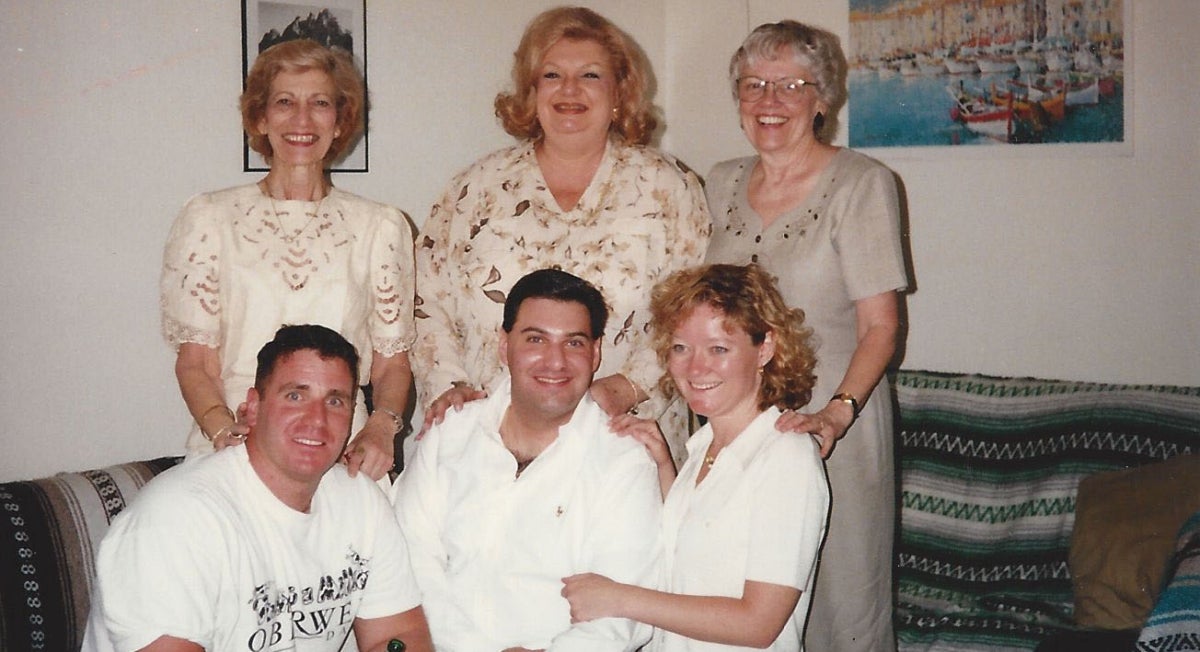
[(989, 469), (1175, 622), (49, 533)]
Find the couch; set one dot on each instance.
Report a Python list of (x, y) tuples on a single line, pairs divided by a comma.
[(49, 531), (990, 472)]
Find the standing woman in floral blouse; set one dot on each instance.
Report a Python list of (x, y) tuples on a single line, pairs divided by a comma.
[(581, 192), (291, 249)]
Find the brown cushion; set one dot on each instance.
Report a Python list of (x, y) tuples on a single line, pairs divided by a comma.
[(1126, 523)]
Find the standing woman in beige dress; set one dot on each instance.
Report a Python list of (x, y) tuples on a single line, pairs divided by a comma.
[(291, 249), (826, 222), (581, 191)]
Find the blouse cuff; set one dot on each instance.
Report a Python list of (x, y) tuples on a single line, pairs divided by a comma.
[(177, 333)]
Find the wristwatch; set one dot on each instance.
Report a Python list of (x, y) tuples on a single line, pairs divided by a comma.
[(848, 399)]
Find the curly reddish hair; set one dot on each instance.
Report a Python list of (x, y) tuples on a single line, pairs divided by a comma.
[(748, 299), (517, 109)]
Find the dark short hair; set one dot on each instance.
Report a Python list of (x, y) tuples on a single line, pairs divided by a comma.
[(560, 286), (326, 342)]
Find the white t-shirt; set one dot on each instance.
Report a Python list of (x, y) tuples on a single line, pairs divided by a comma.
[(490, 549), (208, 554), (759, 515)]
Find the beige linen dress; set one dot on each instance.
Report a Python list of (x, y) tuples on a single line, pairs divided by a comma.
[(238, 265), (642, 217), (842, 244)]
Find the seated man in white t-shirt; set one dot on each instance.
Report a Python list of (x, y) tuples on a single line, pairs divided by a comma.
[(513, 492), (267, 546)]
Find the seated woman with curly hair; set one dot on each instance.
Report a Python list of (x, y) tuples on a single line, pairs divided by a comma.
[(744, 520)]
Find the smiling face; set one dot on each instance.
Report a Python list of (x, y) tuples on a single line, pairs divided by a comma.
[(715, 367), (772, 125), (551, 356), (576, 90), (299, 423), (301, 117)]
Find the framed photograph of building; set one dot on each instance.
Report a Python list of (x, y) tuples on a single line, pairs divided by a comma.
[(334, 23), (965, 73)]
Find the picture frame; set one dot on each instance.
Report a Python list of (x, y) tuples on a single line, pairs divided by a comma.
[(338, 23), (1058, 79)]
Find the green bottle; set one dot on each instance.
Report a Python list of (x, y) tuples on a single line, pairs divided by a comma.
[(396, 645)]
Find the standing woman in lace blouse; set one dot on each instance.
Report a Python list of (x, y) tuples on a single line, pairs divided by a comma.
[(825, 221), (291, 249), (581, 191)]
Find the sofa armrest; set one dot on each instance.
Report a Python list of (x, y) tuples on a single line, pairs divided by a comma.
[(49, 531)]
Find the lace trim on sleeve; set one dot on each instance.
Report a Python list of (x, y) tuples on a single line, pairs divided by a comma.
[(392, 345), (177, 333)]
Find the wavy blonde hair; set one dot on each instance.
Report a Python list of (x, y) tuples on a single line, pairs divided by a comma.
[(748, 299), (634, 122), (301, 55)]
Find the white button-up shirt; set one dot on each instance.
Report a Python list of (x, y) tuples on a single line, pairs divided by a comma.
[(759, 515), (490, 549)]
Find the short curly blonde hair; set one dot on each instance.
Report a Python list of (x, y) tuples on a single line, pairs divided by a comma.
[(517, 109), (300, 55), (748, 299)]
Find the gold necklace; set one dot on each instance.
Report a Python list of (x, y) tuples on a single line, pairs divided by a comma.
[(289, 239), (281, 230)]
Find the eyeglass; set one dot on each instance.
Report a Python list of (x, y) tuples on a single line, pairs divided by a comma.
[(787, 89)]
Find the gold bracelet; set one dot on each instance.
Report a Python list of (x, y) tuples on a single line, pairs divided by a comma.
[(636, 392), (204, 415), (397, 420), (228, 430)]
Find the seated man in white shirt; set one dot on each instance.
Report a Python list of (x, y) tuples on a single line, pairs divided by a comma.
[(267, 546), (518, 490)]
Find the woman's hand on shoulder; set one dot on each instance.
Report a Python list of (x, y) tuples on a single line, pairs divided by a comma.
[(615, 394), (455, 397), (233, 435), (373, 449), (828, 425), (647, 433)]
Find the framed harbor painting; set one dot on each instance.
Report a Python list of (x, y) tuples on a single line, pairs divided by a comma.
[(1018, 74), (334, 23)]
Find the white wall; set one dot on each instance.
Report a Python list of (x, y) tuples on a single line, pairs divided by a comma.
[(116, 111)]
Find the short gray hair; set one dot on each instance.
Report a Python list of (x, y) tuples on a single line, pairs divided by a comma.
[(812, 47)]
